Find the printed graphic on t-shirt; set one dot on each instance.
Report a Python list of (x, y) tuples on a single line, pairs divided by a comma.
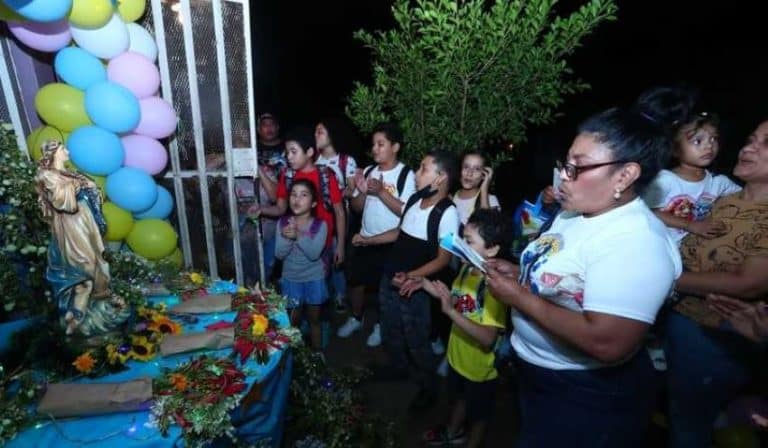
[(684, 206), (391, 189), (565, 290)]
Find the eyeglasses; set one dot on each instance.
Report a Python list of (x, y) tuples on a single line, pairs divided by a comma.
[(572, 171)]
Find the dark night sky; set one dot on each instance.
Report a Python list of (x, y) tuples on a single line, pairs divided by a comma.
[(306, 57)]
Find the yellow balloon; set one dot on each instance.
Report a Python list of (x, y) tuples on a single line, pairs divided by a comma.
[(62, 106), (8, 14), (153, 239), (40, 135), (176, 258), (131, 10), (90, 14), (119, 222)]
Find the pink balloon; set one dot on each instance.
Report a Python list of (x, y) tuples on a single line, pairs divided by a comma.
[(158, 119), (144, 153), (50, 36), (135, 72)]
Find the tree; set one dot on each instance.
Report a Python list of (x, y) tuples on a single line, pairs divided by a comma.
[(462, 73)]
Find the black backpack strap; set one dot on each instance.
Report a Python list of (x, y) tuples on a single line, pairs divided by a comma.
[(368, 170), (401, 178), (411, 200), (433, 224)]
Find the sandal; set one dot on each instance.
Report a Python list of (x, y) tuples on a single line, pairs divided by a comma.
[(439, 436)]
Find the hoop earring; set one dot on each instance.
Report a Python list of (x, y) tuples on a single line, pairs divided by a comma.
[(616, 194)]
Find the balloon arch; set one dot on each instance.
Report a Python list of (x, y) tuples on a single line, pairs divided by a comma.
[(130, 85)]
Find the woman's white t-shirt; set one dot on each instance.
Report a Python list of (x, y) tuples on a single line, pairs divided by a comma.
[(465, 207), (685, 199), (621, 262)]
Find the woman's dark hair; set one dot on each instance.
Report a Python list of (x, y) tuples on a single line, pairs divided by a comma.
[(305, 137), (643, 133), (446, 162), (391, 131), (306, 183), (494, 228)]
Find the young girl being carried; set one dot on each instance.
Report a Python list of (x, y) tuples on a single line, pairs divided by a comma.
[(683, 196), (300, 241)]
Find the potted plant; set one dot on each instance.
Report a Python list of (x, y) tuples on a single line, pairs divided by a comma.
[(24, 240)]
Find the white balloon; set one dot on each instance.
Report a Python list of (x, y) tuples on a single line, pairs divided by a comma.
[(142, 42), (105, 42)]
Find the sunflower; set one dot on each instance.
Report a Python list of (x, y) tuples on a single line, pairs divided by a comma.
[(260, 324), (84, 363), (162, 324), (114, 356), (141, 348), (178, 381), (196, 278)]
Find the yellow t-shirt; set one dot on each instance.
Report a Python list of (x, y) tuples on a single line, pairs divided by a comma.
[(465, 355)]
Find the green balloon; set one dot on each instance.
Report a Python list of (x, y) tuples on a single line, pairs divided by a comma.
[(40, 135), (90, 14), (62, 106), (153, 239), (131, 10), (119, 222), (8, 14), (176, 258)]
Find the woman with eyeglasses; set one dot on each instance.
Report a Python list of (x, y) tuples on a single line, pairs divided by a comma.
[(590, 286)]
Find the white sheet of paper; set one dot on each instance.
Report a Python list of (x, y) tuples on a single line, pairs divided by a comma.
[(556, 181), (461, 249), (244, 162)]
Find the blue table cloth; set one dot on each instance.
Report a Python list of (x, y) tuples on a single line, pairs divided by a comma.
[(261, 421)]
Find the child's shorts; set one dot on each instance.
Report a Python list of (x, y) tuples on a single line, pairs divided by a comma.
[(312, 292), (479, 397)]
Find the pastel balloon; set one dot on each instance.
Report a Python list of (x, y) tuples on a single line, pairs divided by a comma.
[(95, 150), (135, 72), (161, 209), (141, 41), (145, 153), (79, 68), (152, 238), (158, 119), (131, 10), (10, 15), (49, 36), (175, 259), (105, 42), (131, 189), (90, 14), (119, 222), (112, 107), (40, 135), (40, 10), (62, 106)]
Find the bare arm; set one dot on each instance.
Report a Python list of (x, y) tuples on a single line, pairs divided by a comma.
[(483, 334), (383, 238), (749, 281), (394, 204), (670, 220), (357, 202), (269, 185)]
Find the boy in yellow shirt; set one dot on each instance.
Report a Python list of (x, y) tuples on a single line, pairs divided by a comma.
[(477, 319)]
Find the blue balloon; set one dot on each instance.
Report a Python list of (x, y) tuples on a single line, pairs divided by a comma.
[(131, 189), (95, 150), (112, 107), (79, 68), (162, 207), (41, 10)]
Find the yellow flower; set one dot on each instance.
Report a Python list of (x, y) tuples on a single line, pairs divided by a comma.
[(196, 278), (243, 290), (141, 348), (178, 381), (84, 363), (162, 324), (260, 324)]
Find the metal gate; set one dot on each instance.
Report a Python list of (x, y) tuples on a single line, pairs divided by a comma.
[(206, 72)]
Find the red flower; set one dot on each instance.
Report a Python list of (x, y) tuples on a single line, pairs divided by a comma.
[(233, 389)]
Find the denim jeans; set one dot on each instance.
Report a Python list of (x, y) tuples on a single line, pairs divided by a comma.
[(705, 368), (600, 408), (405, 325)]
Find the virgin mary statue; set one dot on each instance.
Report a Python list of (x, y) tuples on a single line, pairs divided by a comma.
[(79, 275)]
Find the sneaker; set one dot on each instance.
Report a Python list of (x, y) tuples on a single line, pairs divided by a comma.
[(349, 327), (423, 400), (341, 307), (442, 369), (439, 436), (374, 340), (437, 347)]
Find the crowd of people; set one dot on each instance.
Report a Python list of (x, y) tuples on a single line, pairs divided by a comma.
[(649, 263)]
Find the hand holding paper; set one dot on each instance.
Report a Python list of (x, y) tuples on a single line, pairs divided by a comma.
[(461, 249)]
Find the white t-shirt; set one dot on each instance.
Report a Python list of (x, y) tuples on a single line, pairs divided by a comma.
[(377, 217), (416, 219), (465, 207), (621, 262), (690, 200), (334, 164)]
